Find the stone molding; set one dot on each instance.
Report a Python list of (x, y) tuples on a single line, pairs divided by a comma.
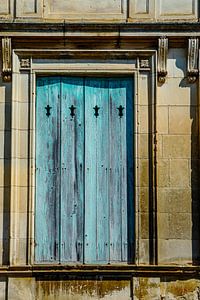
[(193, 53), (59, 61), (162, 59), (6, 59)]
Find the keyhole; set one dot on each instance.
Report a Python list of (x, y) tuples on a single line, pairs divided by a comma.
[(96, 108), (72, 109), (48, 108), (120, 108)]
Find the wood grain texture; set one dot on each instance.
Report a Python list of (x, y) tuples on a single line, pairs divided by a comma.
[(47, 170), (84, 194), (72, 162)]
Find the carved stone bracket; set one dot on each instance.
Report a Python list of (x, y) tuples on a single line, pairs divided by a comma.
[(162, 59), (193, 53), (6, 59)]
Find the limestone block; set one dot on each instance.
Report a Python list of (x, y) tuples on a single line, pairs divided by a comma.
[(163, 225), (160, 146), (143, 251), (178, 146), (142, 9), (4, 224), (180, 289), (29, 8), (21, 118), (179, 173), (20, 172), (143, 225), (143, 88), (2, 93), (21, 288), (20, 141), (143, 199), (83, 289), (180, 226), (18, 251), (143, 119), (183, 120), (20, 229), (21, 193), (178, 92), (24, 116), (174, 251), (3, 283), (4, 172), (4, 253), (5, 8), (143, 173), (4, 199), (110, 9), (174, 200), (24, 84), (5, 145), (170, 9), (146, 288), (163, 173), (177, 63), (162, 119), (143, 146), (2, 114), (5, 92)]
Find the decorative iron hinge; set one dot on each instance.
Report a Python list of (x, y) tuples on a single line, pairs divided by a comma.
[(96, 108), (48, 108), (72, 109), (120, 108)]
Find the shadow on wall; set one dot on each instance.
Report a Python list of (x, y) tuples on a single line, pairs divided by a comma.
[(194, 168), (195, 175), (7, 174)]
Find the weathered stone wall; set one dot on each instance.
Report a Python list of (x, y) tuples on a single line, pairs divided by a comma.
[(136, 288), (178, 164), (90, 10)]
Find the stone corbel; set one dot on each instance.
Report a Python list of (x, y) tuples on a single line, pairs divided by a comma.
[(162, 59), (193, 53), (6, 59)]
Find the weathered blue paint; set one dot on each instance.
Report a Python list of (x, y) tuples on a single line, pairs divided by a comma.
[(72, 176), (47, 170), (96, 172), (85, 207)]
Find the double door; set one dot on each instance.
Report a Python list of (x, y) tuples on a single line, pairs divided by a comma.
[(84, 170)]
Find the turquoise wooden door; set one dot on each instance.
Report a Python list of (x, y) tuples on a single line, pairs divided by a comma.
[(84, 170)]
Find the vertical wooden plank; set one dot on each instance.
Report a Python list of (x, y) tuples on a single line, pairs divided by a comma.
[(96, 168), (47, 170), (118, 170), (102, 169), (90, 245), (72, 161)]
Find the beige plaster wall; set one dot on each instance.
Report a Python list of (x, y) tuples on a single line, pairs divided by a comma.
[(178, 165)]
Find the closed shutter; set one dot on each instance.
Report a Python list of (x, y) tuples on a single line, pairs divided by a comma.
[(84, 207)]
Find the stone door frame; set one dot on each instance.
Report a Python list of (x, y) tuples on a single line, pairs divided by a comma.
[(27, 64)]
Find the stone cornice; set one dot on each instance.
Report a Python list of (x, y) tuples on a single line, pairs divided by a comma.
[(123, 29), (101, 270)]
